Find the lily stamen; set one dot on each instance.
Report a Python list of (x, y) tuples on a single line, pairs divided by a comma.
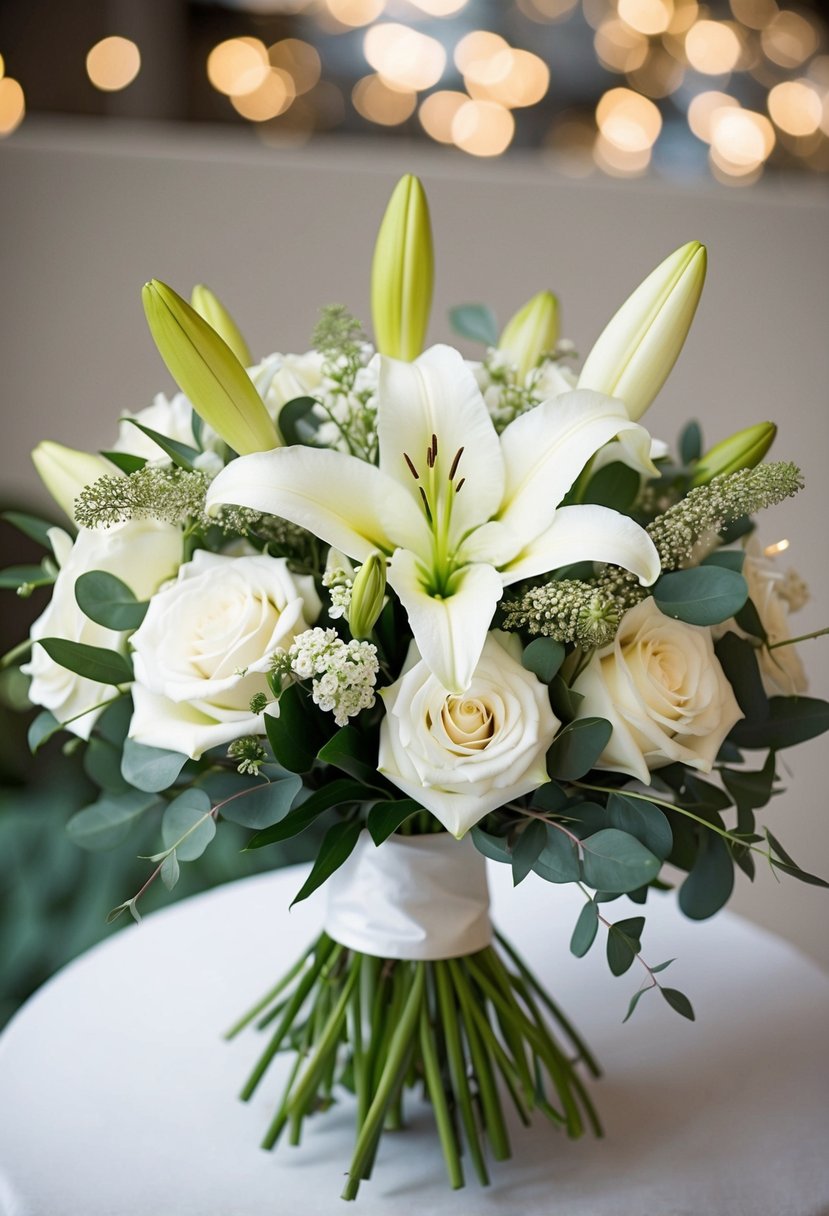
[(455, 464), (458, 486), (426, 503), (412, 469)]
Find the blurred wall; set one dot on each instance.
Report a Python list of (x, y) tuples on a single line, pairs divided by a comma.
[(88, 213)]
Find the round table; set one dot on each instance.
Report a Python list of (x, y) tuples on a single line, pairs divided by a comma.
[(118, 1096)]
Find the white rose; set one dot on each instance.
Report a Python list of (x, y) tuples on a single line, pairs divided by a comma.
[(662, 688), (142, 554), (204, 647), (463, 755), (282, 378), (171, 417), (770, 591)]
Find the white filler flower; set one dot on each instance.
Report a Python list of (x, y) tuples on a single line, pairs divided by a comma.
[(461, 756)]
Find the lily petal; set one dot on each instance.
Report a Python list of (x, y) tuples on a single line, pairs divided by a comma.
[(588, 533), (450, 631), (546, 449), (346, 502), (437, 395)]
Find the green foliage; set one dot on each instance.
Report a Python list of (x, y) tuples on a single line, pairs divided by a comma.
[(791, 720), (496, 848), (690, 443), (711, 881), (187, 825), (701, 595), (108, 601), (352, 752), (526, 850), (738, 659), (337, 846), (336, 793), (93, 662), (615, 485), (623, 943), (384, 818), (474, 321), (678, 1001), (36, 529), (577, 747), (262, 805), (297, 422), (125, 461), (558, 860), (616, 862), (41, 729), (181, 454), (150, 768), (294, 736), (543, 657), (107, 822), (17, 577), (585, 931), (643, 820)]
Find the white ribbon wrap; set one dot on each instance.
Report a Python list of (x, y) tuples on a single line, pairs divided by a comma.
[(412, 897)]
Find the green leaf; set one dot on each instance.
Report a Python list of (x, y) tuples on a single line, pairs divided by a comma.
[(41, 729), (558, 861), (291, 415), (678, 1001), (23, 576), (335, 793), (181, 454), (577, 747), (791, 720), (543, 657), (643, 820), (789, 866), (748, 618), (564, 700), (662, 966), (615, 485), (585, 818), (125, 461), (352, 752), (701, 595), (107, 822), (337, 846), (496, 848), (108, 601), (750, 790), (36, 529), (623, 943), (170, 871), (292, 735), (102, 764), (729, 559), (637, 996), (114, 722), (474, 321), (260, 806), (549, 797), (738, 659), (690, 443), (92, 662), (616, 861), (150, 768), (585, 931), (527, 848), (711, 881), (386, 817), (188, 825)]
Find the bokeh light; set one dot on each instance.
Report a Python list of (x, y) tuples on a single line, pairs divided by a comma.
[(440, 8), (12, 105), (113, 63), (483, 128), (712, 47), (702, 110), (299, 59), (795, 107), (618, 47), (544, 11), (437, 112), (355, 12), (405, 58), (238, 66), (628, 121), (789, 39), (377, 101), (269, 99), (647, 16)]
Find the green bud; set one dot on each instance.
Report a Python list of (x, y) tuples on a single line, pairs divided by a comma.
[(637, 349), (207, 372), (210, 307), (403, 272), (743, 450), (367, 595), (531, 333), (66, 471)]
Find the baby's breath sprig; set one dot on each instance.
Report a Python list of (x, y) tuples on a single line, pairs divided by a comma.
[(249, 753), (570, 610), (165, 493)]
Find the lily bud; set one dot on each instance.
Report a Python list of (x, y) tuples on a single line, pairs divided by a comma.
[(65, 472), (637, 349), (531, 333), (743, 450), (403, 272), (207, 372), (367, 595), (210, 307)]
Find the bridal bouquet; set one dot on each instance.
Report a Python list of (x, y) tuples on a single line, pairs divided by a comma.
[(445, 611)]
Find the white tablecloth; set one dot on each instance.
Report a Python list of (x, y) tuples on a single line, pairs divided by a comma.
[(118, 1097)]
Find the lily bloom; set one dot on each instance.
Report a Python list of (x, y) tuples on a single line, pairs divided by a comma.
[(459, 511)]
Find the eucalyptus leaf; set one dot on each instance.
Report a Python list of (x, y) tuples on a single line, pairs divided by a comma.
[(262, 805), (730, 559), (678, 1001), (92, 662), (549, 797), (577, 747), (558, 861), (335, 793), (496, 848), (108, 601), (748, 618), (150, 768), (170, 871), (543, 657), (701, 595), (384, 818), (107, 822), (635, 999), (791, 720), (292, 415), (585, 931), (102, 764), (187, 824), (690, 443), (614, 485), (36, 529), (24, 576), (336, 847), (41, 729), (563, 699), (738, 659), (616, 861), (623, 943), (527, 848), (710, 883), (114, 722), (475, 321), (643, 820), (181, 454)]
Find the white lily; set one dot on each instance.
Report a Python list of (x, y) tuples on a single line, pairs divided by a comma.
[(459, 511)]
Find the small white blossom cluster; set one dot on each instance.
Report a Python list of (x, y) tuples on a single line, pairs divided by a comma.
[(340, 583), (507, 395), (344, 673), (347, 402)]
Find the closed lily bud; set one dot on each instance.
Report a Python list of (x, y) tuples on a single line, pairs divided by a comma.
[(209, 306), (743, 450), (635, 352), (207, 372), (531, 333), (65, 472), (367, 595), (403, 272)]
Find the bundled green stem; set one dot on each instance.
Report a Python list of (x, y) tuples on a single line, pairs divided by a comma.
[(459, 1028)]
